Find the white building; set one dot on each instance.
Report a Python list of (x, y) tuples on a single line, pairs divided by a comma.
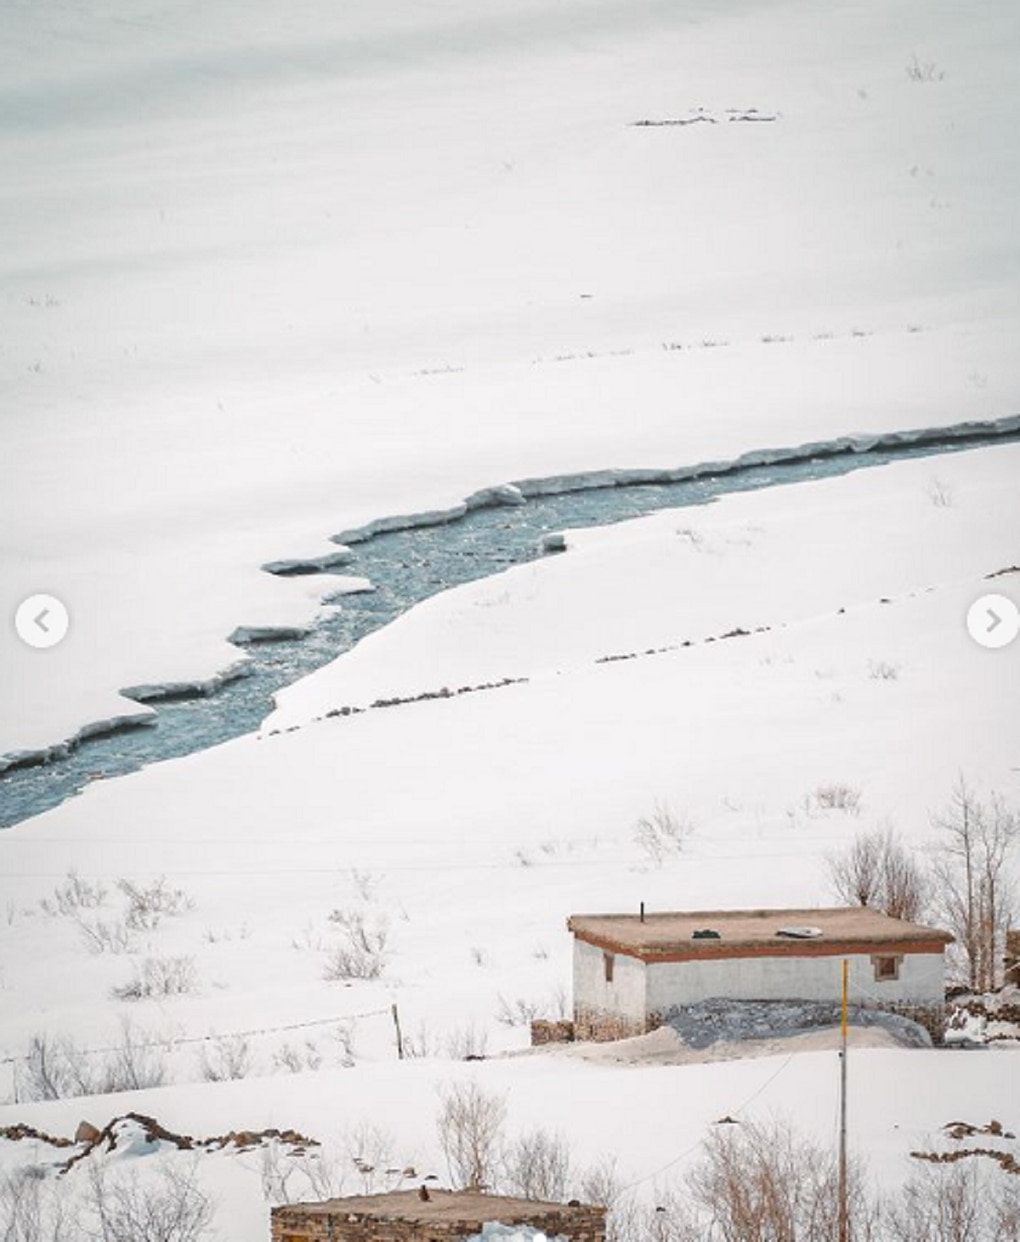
[(631, 970)]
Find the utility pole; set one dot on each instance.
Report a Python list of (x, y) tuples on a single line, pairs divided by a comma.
[(844, 1215)]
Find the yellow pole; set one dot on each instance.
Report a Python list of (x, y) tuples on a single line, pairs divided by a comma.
[(844, 1217)]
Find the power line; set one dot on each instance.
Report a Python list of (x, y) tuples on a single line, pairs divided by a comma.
[(170, 1044), (694, 1146)]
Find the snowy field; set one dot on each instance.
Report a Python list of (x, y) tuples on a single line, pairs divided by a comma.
[(270, 275), (466, 830), (273, 274)]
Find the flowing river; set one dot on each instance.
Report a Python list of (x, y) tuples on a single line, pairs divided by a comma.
[(406, 567)]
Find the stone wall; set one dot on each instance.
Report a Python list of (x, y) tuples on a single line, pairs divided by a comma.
[(295, 1223)]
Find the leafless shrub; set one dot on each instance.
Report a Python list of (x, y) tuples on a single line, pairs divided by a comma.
[(662, 833), (74, 895), (669, 1218), (224, 1058), (297, 1060), (309, 938), (478, 955), (290, 1176), (466, 1043), (137, 1061), (106, 937), (877, 870), (470, 1128), (31, 1209), (366, 883), (421, 1044), (369, 1149), (974, 880), (54, 1068), (519, 1012), (600, 1183), (167, 1207), (147, 905), (160, 977), (361, 954), (923, 70), (761, 1180), (940, 493), (941, 1203), (838, 796), (537, 1166), (883, 670)]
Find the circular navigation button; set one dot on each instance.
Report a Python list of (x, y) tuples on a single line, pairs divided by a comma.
[(993, 621), (41, 621)]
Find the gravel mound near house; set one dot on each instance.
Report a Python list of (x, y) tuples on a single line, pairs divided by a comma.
[(726, 1021)]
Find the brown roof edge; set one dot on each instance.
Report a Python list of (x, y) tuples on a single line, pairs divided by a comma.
[(670, 934)]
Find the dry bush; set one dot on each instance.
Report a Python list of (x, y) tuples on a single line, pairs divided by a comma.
[(106, 937), (370, 1149), (54, 1068), (883, 670), (299, 1176), (662, 833), (31, 1209), (361, 954), (160, 977), (466, 1043), (470, 1128), (74, 895), (923, 70), (297, 1060), (167, 1207), (940, 493), (137, 1061), (522, 1012), (763, 1181), (225, 1058), (147, 905), (953, 1203), (537, 1166), (838, 796), (877, 870)]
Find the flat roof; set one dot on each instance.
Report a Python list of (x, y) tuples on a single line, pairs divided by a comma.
[(473, 1207), (824, 931)]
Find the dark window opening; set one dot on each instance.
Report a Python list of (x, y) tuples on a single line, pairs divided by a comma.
[(608, 960), (886, 968)]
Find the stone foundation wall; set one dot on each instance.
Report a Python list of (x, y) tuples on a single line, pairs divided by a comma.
[(601, 1027), (546, 1031), (293, 1223), (931, 1017)]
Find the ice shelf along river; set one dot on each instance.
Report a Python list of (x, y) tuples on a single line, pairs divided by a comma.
[(407, 566)]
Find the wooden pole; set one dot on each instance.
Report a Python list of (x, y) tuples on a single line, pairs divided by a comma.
[(396, 1027), (844, 1214)]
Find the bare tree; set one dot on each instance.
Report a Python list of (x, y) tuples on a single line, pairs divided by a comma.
[(470, 1126), (856, 874), (940, 1203), (974, 886), (763, 1183), (167, 1207), (30, 1208), (878, 870), (537, 1166)]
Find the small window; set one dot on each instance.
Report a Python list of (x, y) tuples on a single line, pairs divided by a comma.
[(608, 960), (886, 968)]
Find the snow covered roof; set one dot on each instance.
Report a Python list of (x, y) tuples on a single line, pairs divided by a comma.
[(679, 935)]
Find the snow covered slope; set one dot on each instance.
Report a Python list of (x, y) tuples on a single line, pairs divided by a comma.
[(270, 274)]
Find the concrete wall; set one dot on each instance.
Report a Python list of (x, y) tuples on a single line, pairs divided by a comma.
[(921, 980), (607, 1009)]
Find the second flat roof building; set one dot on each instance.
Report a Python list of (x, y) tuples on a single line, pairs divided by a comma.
[(632, 970)]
